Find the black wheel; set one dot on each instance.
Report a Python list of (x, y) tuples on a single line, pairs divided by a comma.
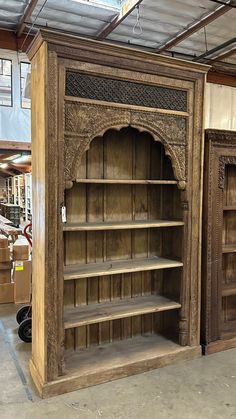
[(23, 313), (25, 330)]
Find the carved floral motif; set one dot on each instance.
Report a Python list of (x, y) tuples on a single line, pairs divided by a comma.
[(84, 122), (223, 160)]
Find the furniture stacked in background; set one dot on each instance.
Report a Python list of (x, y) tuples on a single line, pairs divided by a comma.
[(19, 193), (116, 144), (218, 327), (11, 212), (28, 196)]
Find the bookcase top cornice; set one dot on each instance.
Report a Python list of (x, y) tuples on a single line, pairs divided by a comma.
[(57, 39)]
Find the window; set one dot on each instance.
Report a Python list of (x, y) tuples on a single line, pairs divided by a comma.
[(25, 73), (5, 82)]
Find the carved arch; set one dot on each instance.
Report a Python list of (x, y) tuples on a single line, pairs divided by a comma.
[(78, 137)]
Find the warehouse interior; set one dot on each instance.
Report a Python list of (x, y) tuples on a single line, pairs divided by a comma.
[(117, 209)]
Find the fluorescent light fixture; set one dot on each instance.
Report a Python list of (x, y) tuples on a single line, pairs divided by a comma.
[(105, 4), (12, 157), (4, 165)]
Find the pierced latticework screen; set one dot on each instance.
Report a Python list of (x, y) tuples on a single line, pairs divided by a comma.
[(126, 92)]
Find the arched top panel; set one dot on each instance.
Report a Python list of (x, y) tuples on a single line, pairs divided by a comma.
[(84, 122)]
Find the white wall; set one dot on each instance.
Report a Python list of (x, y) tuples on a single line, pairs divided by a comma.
[(15, 121), (220, 107)]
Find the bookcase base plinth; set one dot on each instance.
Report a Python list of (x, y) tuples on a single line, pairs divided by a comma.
[(117, 360), (219, 345)]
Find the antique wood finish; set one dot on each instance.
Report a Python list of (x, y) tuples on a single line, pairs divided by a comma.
[(117, 140), (219, 242)]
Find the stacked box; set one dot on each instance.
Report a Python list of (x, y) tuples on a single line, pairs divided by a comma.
[(7, 293), (20, 250), (22, 281), (5, 261), (3, 241), (21, 271), (6, 287)]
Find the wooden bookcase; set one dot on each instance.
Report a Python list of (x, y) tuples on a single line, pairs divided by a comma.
[(116, 145), (219, 242)]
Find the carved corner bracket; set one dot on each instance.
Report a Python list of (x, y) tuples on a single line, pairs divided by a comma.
[(223, 160), (220, 136), (84, 122)]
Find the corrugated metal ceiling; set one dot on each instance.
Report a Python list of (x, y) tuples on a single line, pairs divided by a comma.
[(160, 20)]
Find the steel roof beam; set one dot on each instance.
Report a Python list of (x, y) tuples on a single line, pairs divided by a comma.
[(6, 172), (196, 26), (128, 7), (14, 145), (205, 57), (224, 55), (8, 40), (26, 17), (232, 3)]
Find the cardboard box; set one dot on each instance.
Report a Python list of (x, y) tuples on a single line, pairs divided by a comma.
[(5, 265), (20, 250), (4, 254), (6, 293), (3, 241), (22, 281), (5, 276)]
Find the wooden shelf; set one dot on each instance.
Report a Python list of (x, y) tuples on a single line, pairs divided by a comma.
[(124, 225), (117, 267), (129, 181), (229, 208), (229, 248), (117, 309), (229, 289), (120, 354)]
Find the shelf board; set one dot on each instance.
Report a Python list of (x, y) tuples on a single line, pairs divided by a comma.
[(118, 267), (129, 181), (124, 225), (229, 289), (117, 309), (119, 354), (229, 248), (229, 208)]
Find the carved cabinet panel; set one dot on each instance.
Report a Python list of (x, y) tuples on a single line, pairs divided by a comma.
[(219, 242)]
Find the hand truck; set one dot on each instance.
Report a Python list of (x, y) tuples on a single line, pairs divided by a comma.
[(24, 314)]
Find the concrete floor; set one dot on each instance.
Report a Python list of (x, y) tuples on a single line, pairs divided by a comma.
[(203, 389)]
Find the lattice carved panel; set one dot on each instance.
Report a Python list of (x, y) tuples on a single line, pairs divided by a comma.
[(125, 92)]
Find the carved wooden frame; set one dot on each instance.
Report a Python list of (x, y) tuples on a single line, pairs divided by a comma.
[(220, 150), (179, 132)]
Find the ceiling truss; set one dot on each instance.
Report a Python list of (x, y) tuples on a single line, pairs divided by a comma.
[(196, 26), (26, 17), (125, 11), (9, 40)]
